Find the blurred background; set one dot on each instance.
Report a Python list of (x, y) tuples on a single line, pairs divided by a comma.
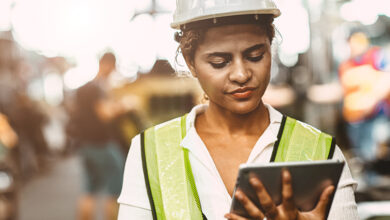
[(70, 67)]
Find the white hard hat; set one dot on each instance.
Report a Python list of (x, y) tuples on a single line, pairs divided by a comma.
[(188, 11)]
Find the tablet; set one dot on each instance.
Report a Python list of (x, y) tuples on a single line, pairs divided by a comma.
[(309, 179)]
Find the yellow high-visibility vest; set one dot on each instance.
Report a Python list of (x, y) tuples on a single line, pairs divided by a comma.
[(168, 175)]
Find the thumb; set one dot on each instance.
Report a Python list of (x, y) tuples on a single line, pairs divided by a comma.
[(324, 200)]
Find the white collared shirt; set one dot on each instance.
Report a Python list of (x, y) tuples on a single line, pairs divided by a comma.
[(214, 197)]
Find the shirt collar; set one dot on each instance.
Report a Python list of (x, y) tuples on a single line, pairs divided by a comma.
[(274, 116), (193, 142), (189, 141), (190, 120), (269, 136)]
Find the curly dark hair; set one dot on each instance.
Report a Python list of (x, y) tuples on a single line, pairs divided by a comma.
[(189, 40)]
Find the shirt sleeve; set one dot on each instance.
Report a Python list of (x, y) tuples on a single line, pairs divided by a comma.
[(133, 200), (127, 212), (344, 204)]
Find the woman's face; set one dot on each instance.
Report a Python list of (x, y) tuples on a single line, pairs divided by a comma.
[(232, 65)]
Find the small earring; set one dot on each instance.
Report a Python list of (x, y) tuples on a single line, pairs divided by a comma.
[(205, 97)]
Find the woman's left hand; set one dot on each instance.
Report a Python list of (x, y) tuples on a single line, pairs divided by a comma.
[(286, 210)]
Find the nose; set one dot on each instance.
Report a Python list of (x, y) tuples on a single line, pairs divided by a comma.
[(240, 72)]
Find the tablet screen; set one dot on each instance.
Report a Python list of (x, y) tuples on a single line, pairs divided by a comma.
[(309, 179)]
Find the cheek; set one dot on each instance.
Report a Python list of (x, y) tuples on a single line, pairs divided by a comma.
[(267, 73), (212, 82), (209, 84), (264, 71)]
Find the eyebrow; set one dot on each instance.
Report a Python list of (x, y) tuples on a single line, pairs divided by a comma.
[(253, 48), (219, 54), (228, 55)]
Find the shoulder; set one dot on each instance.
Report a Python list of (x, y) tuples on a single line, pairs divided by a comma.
[(89, 90), (189, 118), (300, 141), (134, 188), (297, 124), (89, 86), (278, 118), (166, 123)]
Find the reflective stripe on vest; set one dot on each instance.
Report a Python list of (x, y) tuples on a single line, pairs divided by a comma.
[(298, 141), (168, 176)]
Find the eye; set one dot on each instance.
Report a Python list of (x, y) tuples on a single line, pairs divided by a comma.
[(219, 65), (255, 58)]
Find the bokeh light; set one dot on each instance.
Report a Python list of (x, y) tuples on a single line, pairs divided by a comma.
[(5, 14), (365, 12), (53, 88), (81, 74)]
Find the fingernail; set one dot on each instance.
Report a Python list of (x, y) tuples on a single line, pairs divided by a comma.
[(238, 195), (228, 216), (332, 189), (286, 175), (253, 181)]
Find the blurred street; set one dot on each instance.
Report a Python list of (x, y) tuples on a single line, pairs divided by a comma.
[(57, 188)]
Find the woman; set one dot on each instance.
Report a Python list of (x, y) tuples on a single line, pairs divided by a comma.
[(227, 47)]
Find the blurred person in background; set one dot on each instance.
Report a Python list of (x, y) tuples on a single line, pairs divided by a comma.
[(9, 189), (28, 120), (24, 114), (91, 127), (186, 168), (365, 78), (8, 137)]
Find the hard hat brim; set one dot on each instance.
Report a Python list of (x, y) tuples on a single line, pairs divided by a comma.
[(275, 12)]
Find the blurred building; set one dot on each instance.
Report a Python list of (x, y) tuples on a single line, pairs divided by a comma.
[(161, 94)]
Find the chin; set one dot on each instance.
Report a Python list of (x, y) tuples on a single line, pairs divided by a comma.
[(244, 108)]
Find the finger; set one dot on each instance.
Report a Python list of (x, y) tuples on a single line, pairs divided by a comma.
[(287, 191), (265, 200), (251, 208), (232, 216), (324, 200)]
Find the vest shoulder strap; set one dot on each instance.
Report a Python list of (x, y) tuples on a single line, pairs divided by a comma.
[(298, 141), (168, 175)]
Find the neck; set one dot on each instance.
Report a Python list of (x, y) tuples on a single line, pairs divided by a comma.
[(102, 75), (222, 120), (99, 75)]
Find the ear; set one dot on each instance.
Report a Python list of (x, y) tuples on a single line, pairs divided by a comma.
[(191, 65)]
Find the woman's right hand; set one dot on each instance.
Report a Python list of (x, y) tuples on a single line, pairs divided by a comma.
[(286, 210)]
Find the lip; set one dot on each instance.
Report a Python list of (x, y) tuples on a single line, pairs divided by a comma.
[(243, 93)]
